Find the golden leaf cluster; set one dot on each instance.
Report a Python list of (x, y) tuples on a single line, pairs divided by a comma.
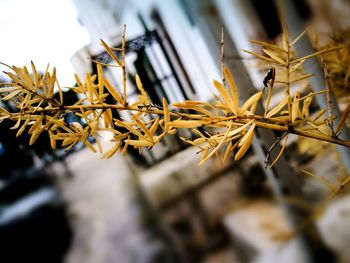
[(234, 123)]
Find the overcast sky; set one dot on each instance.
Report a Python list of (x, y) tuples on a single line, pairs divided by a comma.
[(43, 31)]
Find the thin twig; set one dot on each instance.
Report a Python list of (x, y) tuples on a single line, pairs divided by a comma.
[(342, 120), (278, 140), (329, 100), (222, 59), (321, 179), (123, 65), (288, 81), (239, 58), (340, 187)]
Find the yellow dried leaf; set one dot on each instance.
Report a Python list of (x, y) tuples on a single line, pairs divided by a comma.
[(247, 135), (285, 40), (111, 53), (228, 150), (319, 114), (143, 127), (295, 106), (125, 148), (60, 92), (247, 141), (267, 45), (274, 55), (139, 143), (9, 89), (89, 145), (18, 122), (35, 74), (21, 130), (52, 81), (154, 126), (188, 141), (140, 86), (172, 130), (52, 140), (186, 124), (253, 108), (166, 115), (296, 66), (300, 36), (130, 128), (251, 101), (35, 135), (218, 146), (204, 154), (106, 119), (186, 105), (197, 132), (343, 118), (199, 141), (277, 108), (112, 151), (233, 87), (99, 145), (71, 145), (317, 53), (260, 56), (11, 95), (306, 105), (100, 79), (226, 96), (36, 124), (113, 92), (240, 129), (281, 151), (306, 76), (69, 140)]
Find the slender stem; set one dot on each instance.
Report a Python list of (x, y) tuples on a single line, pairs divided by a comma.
[(329, 100), (123, 65), (266, 123), (321, 137), (222, 56), (278, 140), (288, 82)]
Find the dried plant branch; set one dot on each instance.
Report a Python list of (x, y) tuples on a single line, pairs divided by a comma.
[(38, 111)]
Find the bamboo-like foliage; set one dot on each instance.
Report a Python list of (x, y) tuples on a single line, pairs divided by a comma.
[(38, 111)]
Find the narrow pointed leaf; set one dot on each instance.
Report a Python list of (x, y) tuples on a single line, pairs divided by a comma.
[(233, 87), (226, 96), (278, 108)]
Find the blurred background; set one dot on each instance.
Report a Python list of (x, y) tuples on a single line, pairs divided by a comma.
[(160, 206)]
